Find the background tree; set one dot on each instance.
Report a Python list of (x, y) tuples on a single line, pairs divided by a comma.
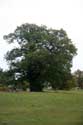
[(79, 76), (43, 55), (2, 77), (5, 77)]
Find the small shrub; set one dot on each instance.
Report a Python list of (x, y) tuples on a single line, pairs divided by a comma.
[(3, 88)]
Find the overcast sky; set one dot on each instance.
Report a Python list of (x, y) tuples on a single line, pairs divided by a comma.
[(66, 14)]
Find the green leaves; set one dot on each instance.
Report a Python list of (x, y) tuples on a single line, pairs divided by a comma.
[(44, 54)]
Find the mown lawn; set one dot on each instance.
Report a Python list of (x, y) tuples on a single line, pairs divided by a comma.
[(53, 108)]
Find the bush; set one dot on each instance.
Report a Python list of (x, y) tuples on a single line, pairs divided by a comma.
[(3, 88), (70, 83)]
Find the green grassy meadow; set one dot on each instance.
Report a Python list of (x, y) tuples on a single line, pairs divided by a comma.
[(47, 108)]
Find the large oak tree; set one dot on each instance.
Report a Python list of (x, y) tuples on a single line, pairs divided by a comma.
[(43, 55)]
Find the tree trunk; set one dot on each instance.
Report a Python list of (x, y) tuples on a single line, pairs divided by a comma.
[(36, 87)]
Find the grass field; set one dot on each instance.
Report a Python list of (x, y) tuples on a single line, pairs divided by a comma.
[(54, 108)]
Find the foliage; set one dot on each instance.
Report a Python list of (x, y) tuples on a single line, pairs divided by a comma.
[(43, 55), (3, 77), (4, 88), (79, 76), (71, 83)]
